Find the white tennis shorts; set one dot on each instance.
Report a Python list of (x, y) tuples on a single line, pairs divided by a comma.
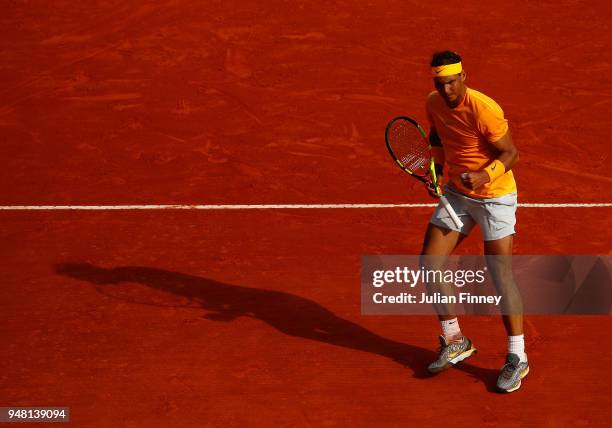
[(495, 216)]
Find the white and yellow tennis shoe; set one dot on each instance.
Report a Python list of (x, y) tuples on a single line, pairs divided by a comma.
[(451, 353), (511, 374)]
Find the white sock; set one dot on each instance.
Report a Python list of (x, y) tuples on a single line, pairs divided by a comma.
[(450, 328), (516, 345)]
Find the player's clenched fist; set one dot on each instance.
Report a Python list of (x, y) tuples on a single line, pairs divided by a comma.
[(474, 179)]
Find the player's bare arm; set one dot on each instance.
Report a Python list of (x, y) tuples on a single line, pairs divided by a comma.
[(508, 156), (434, 138)]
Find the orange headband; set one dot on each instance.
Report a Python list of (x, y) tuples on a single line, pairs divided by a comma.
[(446, 70)]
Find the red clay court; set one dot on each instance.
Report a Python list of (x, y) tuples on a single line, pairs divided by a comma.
[(251, 317)]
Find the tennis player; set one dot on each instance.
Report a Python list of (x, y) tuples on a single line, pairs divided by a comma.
[(470, 138)]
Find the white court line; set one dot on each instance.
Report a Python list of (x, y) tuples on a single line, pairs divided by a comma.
[(260, 207)]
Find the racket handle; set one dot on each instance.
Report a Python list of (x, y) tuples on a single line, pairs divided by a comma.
[(451, 212)]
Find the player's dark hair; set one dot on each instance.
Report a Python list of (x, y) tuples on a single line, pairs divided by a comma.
[(444, 58)]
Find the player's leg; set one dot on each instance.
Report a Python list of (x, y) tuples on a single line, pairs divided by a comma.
[(440, 241), (497, 225), (438, 244), (516, 367), (441, 238), (500, 265)]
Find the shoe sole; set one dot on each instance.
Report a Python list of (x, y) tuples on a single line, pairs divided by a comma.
[(518, 385), (454, 361)]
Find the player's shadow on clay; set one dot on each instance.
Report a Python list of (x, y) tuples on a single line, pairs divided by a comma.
[(290, 314)]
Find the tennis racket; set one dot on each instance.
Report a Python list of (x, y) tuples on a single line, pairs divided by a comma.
[(408, 146)]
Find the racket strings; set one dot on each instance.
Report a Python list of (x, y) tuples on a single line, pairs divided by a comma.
[(409, 147), (414, 162)]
